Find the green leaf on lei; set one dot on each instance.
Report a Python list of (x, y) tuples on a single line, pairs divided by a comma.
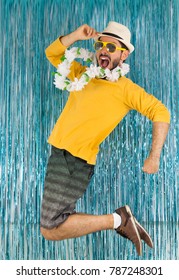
[(78, 51), (63, 58), (89, 60), (86, 77), (54, 73), (66, 83), (102, 71)]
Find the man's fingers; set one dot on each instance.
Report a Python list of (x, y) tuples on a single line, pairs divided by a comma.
[(92, 32), (151, 166), (148, 171)]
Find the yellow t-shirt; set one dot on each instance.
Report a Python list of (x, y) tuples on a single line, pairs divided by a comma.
[(91, 114)]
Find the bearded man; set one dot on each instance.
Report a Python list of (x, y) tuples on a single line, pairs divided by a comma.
[(88, 117)]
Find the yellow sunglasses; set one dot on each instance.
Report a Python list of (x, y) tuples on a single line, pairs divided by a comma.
[(111, 47)]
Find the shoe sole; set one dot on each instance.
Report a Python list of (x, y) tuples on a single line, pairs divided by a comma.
[(149, 243), (134, 225)]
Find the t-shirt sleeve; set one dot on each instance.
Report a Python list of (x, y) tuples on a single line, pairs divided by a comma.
[(136, 98)]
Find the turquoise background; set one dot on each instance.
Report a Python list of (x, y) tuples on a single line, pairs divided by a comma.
[(30, 106)]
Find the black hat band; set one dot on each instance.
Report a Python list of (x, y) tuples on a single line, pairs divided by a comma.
[(111, 34)]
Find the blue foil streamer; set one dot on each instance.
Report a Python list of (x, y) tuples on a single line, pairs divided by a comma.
[(30, 106)]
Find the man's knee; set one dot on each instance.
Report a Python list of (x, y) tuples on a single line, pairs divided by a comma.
[(50, 234)]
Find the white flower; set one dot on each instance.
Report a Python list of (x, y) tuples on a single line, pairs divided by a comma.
[(59, 81), (85, 78), (125, 69), (84, 54), (71, 54), (64, 68), (115, 74), (75, 85), (93, 71), (107, 72), (112, 75)]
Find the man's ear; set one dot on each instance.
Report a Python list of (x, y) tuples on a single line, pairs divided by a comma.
[(124, 55)]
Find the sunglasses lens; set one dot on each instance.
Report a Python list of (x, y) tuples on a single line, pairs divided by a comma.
[(98, 46), (111, 47)]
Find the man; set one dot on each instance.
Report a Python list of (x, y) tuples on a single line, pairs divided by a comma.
[(87, 119)]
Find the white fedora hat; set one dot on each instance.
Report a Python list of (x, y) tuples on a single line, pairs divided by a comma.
[(119, 32)]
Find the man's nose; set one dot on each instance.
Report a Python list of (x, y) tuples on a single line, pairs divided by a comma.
[(105, 53), (104, 48)]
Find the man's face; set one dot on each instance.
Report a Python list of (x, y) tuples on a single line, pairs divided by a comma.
[(109, 60)]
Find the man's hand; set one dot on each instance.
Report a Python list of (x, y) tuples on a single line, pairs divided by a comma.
[(151, 165), (84, 32)]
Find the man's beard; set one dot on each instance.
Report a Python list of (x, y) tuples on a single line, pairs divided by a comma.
[(115, 63)]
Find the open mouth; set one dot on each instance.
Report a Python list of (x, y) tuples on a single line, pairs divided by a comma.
[(104, 61)]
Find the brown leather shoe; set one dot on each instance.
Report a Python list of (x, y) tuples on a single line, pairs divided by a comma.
[(128, 228), (144, 234)]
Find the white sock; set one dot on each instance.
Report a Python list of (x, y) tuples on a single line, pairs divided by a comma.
[(117, 220)]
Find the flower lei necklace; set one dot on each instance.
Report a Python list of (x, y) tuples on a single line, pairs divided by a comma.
[(91, 72)]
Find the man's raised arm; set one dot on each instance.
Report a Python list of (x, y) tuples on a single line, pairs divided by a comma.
[(84, 32)]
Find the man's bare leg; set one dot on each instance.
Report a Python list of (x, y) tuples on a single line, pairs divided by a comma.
[(78, 225)]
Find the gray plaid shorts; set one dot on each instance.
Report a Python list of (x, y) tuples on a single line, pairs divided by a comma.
[(66, 180)]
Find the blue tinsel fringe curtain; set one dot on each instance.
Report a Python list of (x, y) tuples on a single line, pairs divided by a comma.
[(30, 105)]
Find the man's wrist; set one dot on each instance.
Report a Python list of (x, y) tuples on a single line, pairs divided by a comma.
[(155, 155), (69, 39)]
